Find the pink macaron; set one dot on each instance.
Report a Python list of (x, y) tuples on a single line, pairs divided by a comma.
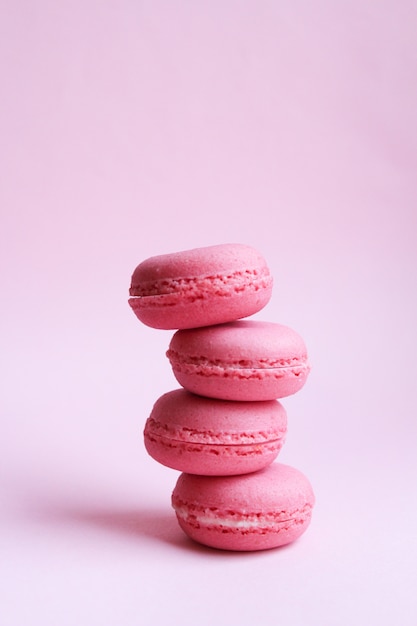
[(211, 437), (257, 511), (244, 360), (200, 287)]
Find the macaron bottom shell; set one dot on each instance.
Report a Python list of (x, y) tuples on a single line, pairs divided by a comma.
[(211, 459), (254, 385), (172, 312), (259, 511), (221, 536)]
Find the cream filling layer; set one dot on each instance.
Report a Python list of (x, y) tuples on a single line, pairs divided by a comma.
[(154, 428), (248, 522), (242, 368), (189, 361), (220, 284)]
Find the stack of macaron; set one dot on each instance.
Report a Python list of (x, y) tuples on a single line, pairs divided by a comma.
[(224, 427)]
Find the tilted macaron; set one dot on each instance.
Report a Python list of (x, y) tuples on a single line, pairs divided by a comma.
[(245, 360), (204, 436), (200, 287), (257, 511)]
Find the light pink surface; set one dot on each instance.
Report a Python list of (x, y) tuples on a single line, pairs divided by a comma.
[(131, 129), (258, 511), (247, 360), (211, 437)]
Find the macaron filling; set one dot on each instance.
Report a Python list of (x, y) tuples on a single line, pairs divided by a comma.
[(189, 289), (242, 368), (154, 428), (197, 516), (216, 444)]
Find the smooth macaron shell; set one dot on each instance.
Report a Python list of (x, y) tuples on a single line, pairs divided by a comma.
[(200, 287), (212, 437), (257, 511), (244, 360)]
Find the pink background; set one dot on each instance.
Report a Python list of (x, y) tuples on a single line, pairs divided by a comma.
[(129, 129)]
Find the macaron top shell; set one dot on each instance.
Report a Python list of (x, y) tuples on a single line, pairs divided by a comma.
[(279, 491), (180, 271), (245, 344), (200, 287)]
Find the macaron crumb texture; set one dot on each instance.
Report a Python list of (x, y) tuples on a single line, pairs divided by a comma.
[(224, 427)]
